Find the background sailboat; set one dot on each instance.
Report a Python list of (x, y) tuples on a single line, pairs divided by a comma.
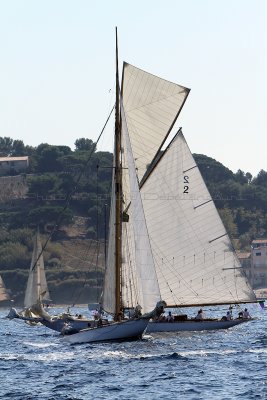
[(37, 295), (4, 295), (37, 289)]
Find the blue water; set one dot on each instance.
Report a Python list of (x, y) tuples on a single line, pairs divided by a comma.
[(231, 364)]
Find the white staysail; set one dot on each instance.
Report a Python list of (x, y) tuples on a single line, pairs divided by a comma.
[(151, 106), (194, 258), (36, 286), (146, 278), (3, 292)]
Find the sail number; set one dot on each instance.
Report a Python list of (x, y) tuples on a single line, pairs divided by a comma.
[(186, 184)]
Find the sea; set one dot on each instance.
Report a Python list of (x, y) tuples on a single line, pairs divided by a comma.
[(223, 364)]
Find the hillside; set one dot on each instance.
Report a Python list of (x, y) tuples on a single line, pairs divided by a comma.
[(66, 194)]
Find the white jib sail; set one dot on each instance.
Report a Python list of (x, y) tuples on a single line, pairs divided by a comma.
[(194, 258), (36, 286), (151, 105), (146, 278)]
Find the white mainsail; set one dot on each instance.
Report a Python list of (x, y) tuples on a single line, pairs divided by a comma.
[(151, 106), (3, 292), (194, 258), (36, 286)]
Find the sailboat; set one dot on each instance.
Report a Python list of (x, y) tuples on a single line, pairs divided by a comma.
[(195, 261), (37, 289), (130, 279), (37, 295), (4, 296)]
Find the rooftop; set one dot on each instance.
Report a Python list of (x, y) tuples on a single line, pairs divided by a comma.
[(243, 255), (259, 241), (24, 158)]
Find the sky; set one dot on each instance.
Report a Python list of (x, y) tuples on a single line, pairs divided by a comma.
[(57, 70)]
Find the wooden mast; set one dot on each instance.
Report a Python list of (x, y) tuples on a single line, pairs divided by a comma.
[(118, 194)]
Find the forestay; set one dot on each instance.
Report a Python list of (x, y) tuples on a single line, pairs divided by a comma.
[(194, 258)]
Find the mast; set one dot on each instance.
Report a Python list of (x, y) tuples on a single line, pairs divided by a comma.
[(118, 194)]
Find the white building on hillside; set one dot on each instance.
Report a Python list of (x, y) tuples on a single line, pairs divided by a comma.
[(13, 165), (259, 263)]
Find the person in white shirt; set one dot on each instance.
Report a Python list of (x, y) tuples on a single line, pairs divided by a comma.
[(169, 317), (200, 315), (228, 316), (246, 314)]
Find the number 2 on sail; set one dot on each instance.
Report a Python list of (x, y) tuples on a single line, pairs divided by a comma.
[(186, 187)]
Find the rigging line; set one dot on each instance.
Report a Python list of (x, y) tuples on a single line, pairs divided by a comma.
[(86, 278), (70, 194), (236, 276), (80, 257), (97, 231), (161, 255), (75, 289), (132, 292)]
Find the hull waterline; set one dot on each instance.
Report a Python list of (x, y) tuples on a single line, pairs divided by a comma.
[(126, 330), (192, 325), (73, 325)]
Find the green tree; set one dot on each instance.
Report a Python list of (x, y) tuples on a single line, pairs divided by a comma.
[(49, 157), (18, 149), (14, 255), (261, 178), (5, 146), (42, 185), (50, 215), (228, 220), (83, 144), (212, 170), (241, 177)]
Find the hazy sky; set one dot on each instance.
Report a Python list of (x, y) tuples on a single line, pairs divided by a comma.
[(58, 69)]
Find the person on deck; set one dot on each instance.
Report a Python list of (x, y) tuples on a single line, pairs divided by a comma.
[(200, 315), (246, 314), (169, 317), (228, 316)]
